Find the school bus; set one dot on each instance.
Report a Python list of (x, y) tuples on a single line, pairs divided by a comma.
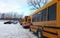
[(46, 20), (27, 21)]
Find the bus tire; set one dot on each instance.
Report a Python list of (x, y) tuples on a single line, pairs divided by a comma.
[(39, 34)]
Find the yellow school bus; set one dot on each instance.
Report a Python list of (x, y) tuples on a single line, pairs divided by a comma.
[(46, 20), (27, 20)]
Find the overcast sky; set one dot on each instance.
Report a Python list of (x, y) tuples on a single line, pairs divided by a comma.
[(18, 6)]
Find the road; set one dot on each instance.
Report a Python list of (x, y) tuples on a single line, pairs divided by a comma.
[(14, 31)]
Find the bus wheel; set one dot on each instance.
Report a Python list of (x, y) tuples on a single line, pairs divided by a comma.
[(39, 34)]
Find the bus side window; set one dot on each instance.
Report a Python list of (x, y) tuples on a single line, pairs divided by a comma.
[(52, 12)]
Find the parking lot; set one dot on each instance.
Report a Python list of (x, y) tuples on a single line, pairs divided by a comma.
[(14, 31)]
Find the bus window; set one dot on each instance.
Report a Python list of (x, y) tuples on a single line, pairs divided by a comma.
[(52, 12), (29, 20), (43, 14), (39, 17), (34, 18), (26, 18)]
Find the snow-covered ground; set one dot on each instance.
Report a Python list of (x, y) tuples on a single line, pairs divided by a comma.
[(14, 31)]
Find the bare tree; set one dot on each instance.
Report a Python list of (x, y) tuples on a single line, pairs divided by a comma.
[(21, 16), (2, 16), (34, 3), (37, 3)]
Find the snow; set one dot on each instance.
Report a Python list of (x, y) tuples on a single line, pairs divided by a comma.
[(14, 31)]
